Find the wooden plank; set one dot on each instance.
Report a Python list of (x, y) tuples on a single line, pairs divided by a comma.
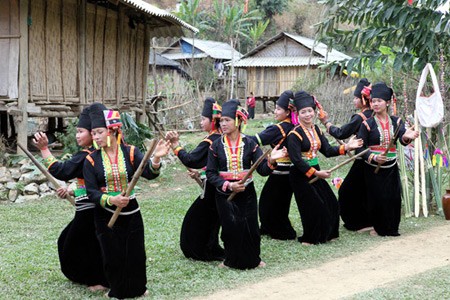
[(82, 50), (23, 76), (119, 55), (13, 70), (145, 63)]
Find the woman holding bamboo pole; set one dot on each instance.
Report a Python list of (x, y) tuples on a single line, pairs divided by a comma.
[(199, 237), (353, 209), (276, 195), (316, 202), (107, 173), (384, 186), (78, 248), (229, 160)]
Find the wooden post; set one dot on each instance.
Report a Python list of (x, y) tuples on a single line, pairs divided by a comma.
[(82, 50), (23, 76), (145, 62), (119, 55)]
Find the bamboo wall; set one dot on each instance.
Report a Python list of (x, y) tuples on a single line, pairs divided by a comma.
[(9, 48), (113, 56), (271, 82)]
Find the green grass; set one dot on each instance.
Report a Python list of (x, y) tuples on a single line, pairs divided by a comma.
[(29, 266)]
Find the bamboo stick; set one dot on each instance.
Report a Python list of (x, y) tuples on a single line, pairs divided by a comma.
[(45, 172), (405, 183), (342, 164), (416, 170), (422, 179), (135, 179), (252, 169)]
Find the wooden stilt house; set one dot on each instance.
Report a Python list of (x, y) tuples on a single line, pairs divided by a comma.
[(275, 65), (60, 55)]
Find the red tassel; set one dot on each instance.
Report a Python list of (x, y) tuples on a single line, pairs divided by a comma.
[(410, 2), (246, 6)]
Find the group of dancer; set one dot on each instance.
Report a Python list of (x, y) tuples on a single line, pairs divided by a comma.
[(114, 258)]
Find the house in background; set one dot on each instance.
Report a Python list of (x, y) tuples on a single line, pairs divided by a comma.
[(165, 74), (275, 65), (58, 56), (185, 50)]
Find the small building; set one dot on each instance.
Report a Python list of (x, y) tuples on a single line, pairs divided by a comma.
[(164, 73), (58, 56), (275, 65), (185, 49)]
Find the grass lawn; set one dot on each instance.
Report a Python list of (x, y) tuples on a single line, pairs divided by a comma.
[(29, 266)]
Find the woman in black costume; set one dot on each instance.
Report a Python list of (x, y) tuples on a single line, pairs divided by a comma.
[(276, 195), (384, 187), (78, 247), (107, 173), (199, 237), (229, 160), (352, 193), (316, 202)]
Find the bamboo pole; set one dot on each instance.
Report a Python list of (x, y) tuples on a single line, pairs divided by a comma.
[(342, 163), (61, 48), (44, 171), (252, 169), (416, 170), (135, 179), (422, 178)]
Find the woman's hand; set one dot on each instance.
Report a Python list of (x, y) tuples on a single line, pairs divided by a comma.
[(323, 174), (40, 140), (236, 187), (277, 154), (194, 174), (380, 158), (119, 201), (174, 138), (324, 118), (62, 192), (411, 134), (353, 144), (162, 149)]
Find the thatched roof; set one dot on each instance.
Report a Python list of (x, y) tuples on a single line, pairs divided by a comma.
[(171, 26)]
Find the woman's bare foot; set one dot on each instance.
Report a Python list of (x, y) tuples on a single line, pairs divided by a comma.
[(334, 240), (145, 294), (373, 233), (222, 265), (306, 244), (365, 229), (106, 295), (261, 264), (96, 288)]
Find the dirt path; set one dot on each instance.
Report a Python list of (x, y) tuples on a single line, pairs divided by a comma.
[(392, 260)]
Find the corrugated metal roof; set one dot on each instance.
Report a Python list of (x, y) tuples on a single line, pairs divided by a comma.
[(289, 61), (177, 56), (320, 48), (161, 60), (214, 49), (166, 31)]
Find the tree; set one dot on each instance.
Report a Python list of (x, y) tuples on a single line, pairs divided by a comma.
[(272, 7), (191, 13), (416, 34)]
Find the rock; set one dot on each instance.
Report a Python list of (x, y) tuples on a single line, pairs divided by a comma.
[(24, 161), (15, 173), (36, 177), (61, 183), (5, 175), (25, 168), (13, 194), (11, 185), (44, 188), (31, 189), (26, 198)]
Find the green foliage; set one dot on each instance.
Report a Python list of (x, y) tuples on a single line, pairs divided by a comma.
[(190, 12), (135, 133), (68, 139), (272, 7), (416, 34), (257, 31)]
